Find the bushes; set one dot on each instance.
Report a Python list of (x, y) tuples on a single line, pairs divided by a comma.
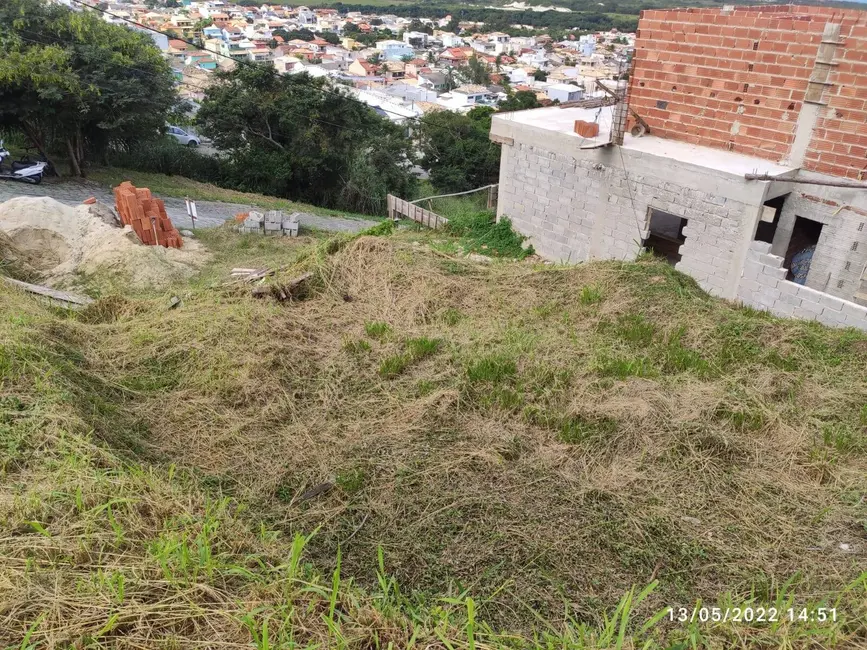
[(165, 156), (483, 234)]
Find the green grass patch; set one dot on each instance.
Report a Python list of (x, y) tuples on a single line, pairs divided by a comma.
[(377, 330), (577, 429), (181, 187), (590, 295), (481, 233), (492, 369)]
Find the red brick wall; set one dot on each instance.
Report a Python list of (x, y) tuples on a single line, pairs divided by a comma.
[(738, 81), (839, 144)]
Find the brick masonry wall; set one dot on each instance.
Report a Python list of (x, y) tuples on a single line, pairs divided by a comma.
[(839, 143), (764, 286), (577, 205), (738, 81), (841, 253)]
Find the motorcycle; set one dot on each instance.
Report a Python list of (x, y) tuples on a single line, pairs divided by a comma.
[(25, 171)]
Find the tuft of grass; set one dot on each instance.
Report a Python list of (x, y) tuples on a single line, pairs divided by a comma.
[(590, 295), (377, 330), (622, 367), (415, 350), (359, 346), (394, 365), (577, 429), (635, 329), (492, 368), (422, 347)]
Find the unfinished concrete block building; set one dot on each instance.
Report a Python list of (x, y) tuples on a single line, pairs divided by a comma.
[(716, 94)]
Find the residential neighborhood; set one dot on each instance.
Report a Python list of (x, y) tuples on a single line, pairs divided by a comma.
[(403, 67)]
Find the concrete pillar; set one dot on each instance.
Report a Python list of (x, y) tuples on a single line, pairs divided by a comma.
[(814, 100)]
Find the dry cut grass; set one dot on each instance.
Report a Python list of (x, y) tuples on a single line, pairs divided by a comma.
[(428, 452)]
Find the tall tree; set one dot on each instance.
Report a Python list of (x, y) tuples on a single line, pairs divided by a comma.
[(520, 101), (476, 71), (75, 83), (457, 150), (302, 138)]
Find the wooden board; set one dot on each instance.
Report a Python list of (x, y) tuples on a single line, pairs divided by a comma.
[(62, 298), (399, 208)]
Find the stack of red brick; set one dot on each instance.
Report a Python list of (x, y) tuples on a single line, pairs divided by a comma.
[(146, 215), (586, 129)]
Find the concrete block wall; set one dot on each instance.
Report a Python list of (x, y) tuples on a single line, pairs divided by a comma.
[(764, 286), (577, 205), (841, 253)]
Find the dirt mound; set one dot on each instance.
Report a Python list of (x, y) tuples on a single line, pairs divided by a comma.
[(63, 243), (14, 261)]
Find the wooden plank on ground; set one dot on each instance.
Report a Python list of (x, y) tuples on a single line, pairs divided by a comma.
[(63, 298)]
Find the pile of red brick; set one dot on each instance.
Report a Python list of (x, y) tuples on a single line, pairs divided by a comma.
[(146, 215), (586, 129)]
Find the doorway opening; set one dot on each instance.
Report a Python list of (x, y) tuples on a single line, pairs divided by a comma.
[(802, 246), (666, 235)]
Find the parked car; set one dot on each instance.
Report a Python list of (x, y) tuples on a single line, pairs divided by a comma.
[(186, 139)]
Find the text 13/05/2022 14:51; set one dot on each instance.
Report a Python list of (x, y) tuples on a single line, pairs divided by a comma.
[(751, 614)]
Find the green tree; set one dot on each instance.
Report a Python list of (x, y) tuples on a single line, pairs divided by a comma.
[(451, 79), (351, 28), (417, 26), (520, 101), (304, 139), (330, 37), (84, 85), (476, 71), (540, 75), (431, 57), (457, 151)]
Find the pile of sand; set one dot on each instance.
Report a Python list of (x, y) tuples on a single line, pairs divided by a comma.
[(62, 243), (13, 261)]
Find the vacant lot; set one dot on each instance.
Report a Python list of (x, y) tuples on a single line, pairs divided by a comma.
[(424, 450)]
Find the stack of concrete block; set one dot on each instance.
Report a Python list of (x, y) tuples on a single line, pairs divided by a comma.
[(254, 223), (272, 222), (290, 224)]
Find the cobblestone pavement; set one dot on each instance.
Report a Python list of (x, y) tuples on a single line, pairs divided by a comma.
[(211, 213)]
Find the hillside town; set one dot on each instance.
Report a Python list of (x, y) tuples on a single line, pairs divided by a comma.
[(403, 68)]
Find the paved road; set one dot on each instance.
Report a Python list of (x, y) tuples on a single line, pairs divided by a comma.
[(211, 213)]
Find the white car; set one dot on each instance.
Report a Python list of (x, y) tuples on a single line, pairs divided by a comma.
[(186, 139)]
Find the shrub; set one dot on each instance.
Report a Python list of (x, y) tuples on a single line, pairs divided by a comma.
[(168, 157), (482, 233)]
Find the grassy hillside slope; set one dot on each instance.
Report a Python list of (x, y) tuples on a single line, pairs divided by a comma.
[(427, 452)]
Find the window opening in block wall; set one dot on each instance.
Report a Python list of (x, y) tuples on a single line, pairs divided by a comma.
[(666, 235), (770, 219), (802, 246)]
